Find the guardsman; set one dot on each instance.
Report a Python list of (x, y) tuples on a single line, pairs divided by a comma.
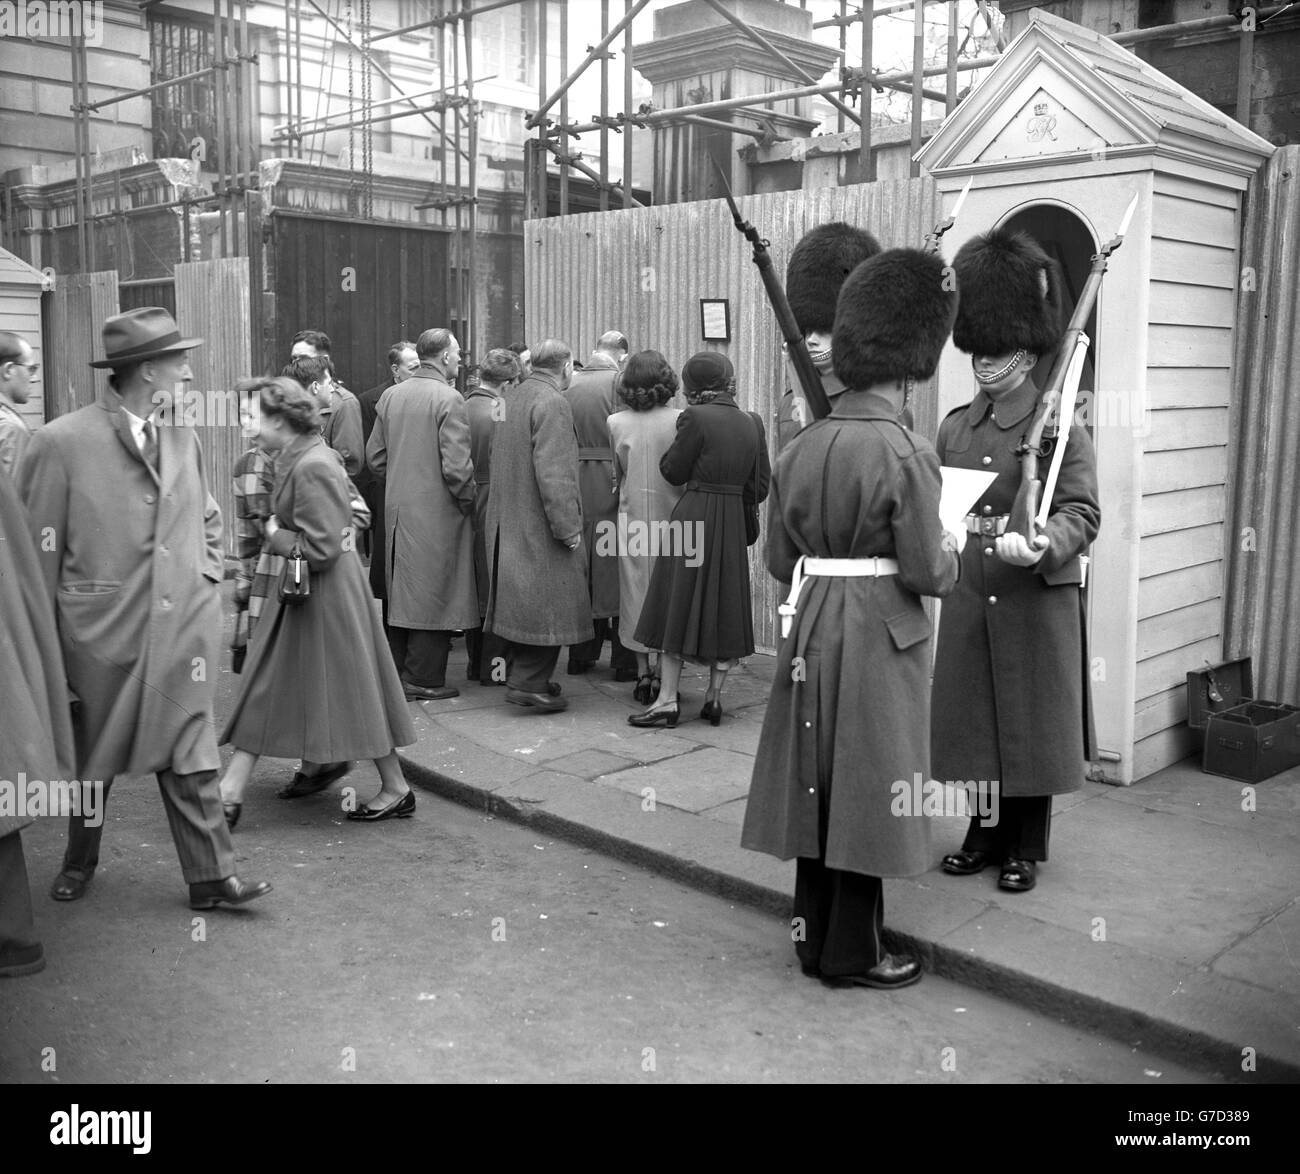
[(853, 524), (818, 267), (1010, 679)]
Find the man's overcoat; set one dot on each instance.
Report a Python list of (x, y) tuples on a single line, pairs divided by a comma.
[(539, 587), (132, 561), (1010, 673), (421, 444), (848, 717), (591, 396)]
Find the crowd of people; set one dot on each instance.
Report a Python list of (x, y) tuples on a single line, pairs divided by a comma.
[(555, 505)]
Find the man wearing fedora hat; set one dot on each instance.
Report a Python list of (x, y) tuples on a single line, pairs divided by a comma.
[(130, 547)]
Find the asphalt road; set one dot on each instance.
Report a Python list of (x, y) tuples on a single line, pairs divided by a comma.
[(459, 947)]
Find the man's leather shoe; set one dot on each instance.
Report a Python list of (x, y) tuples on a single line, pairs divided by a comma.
[(967, 863), (577, 667), (231, 891), (547, 702), (1017, 875), (17, 960), (553, 688), (70, 886), (887, 974), (811, 969), (624, 674), (420, 693)]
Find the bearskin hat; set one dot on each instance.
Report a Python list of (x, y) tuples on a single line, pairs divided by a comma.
[(818, 267), (1010, 295), (895, 313)]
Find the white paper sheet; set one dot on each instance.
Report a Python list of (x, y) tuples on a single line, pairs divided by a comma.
[(962, 488)]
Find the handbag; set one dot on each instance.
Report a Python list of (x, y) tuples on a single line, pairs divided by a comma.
[(295, 579)]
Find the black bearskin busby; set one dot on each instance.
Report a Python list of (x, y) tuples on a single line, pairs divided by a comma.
[(1010, 295), (895, 313), (819, 265)]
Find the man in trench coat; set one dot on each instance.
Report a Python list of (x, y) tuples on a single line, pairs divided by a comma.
[(421, 445), (1010, 674), (538, 599), (130, 546), (591, 396), (847, 721)]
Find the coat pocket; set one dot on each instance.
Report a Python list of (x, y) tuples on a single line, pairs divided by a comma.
[(908, 628)]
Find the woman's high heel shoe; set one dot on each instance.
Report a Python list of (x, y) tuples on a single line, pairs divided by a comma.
[(712, 712), (667, 716)]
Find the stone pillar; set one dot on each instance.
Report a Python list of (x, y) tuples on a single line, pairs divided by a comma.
[(699, 56)]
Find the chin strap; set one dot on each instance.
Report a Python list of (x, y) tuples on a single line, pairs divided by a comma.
[(1012, 364)]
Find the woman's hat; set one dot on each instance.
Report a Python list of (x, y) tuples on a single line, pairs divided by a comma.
[(819, 266), (707, 369), (1010, 295), (894, 315), (142, 334)]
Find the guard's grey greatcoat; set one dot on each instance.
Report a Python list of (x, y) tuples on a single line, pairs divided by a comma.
[(35, 729), (1010, 678), (851, 714), (539, 587), (591, 396), (421, 444), (132, 561)]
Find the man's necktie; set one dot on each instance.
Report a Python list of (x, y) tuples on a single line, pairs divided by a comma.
[(150, 451)]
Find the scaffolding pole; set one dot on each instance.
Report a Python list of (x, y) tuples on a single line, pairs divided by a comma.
[(627, 104)]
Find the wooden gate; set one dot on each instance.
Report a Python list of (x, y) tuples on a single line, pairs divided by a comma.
[(365, 285), (645, 270), (78, 308), (212, 303)]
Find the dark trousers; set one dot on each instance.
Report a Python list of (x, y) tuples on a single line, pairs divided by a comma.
[(489, 657), (589, 650), (840, 917), (1022, 829), (532, 666), (420, 655), (198, 825), (17, 924)]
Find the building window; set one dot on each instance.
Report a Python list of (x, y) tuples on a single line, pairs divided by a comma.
[(412, 12), (188, 111), (1155, 12), (505, 44)]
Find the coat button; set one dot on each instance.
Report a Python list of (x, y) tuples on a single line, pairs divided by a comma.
[(988, 509), (807, 725), (149, 499), (988, 460), (988, 550), (166, 604), (812, 790), (993, 599)]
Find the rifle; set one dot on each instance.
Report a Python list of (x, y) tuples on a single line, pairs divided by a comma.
[(809, 378), (1028, 516)]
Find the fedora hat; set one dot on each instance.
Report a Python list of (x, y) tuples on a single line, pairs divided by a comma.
[(141, 334)]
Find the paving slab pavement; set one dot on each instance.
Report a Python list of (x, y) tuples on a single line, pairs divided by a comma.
[(1169, 913)]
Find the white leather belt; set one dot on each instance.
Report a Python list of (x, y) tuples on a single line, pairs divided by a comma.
[(832, 568)]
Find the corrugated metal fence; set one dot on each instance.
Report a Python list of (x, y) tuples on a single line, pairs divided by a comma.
[(644, 271), (1263, 541), (78, 309), (212, 303)]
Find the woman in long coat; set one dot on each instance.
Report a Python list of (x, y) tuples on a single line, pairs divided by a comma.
[(847, 724), (319, 682), (640, 438), (698, 607)]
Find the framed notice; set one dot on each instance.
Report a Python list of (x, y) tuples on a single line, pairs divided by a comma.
[(715, 320)]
